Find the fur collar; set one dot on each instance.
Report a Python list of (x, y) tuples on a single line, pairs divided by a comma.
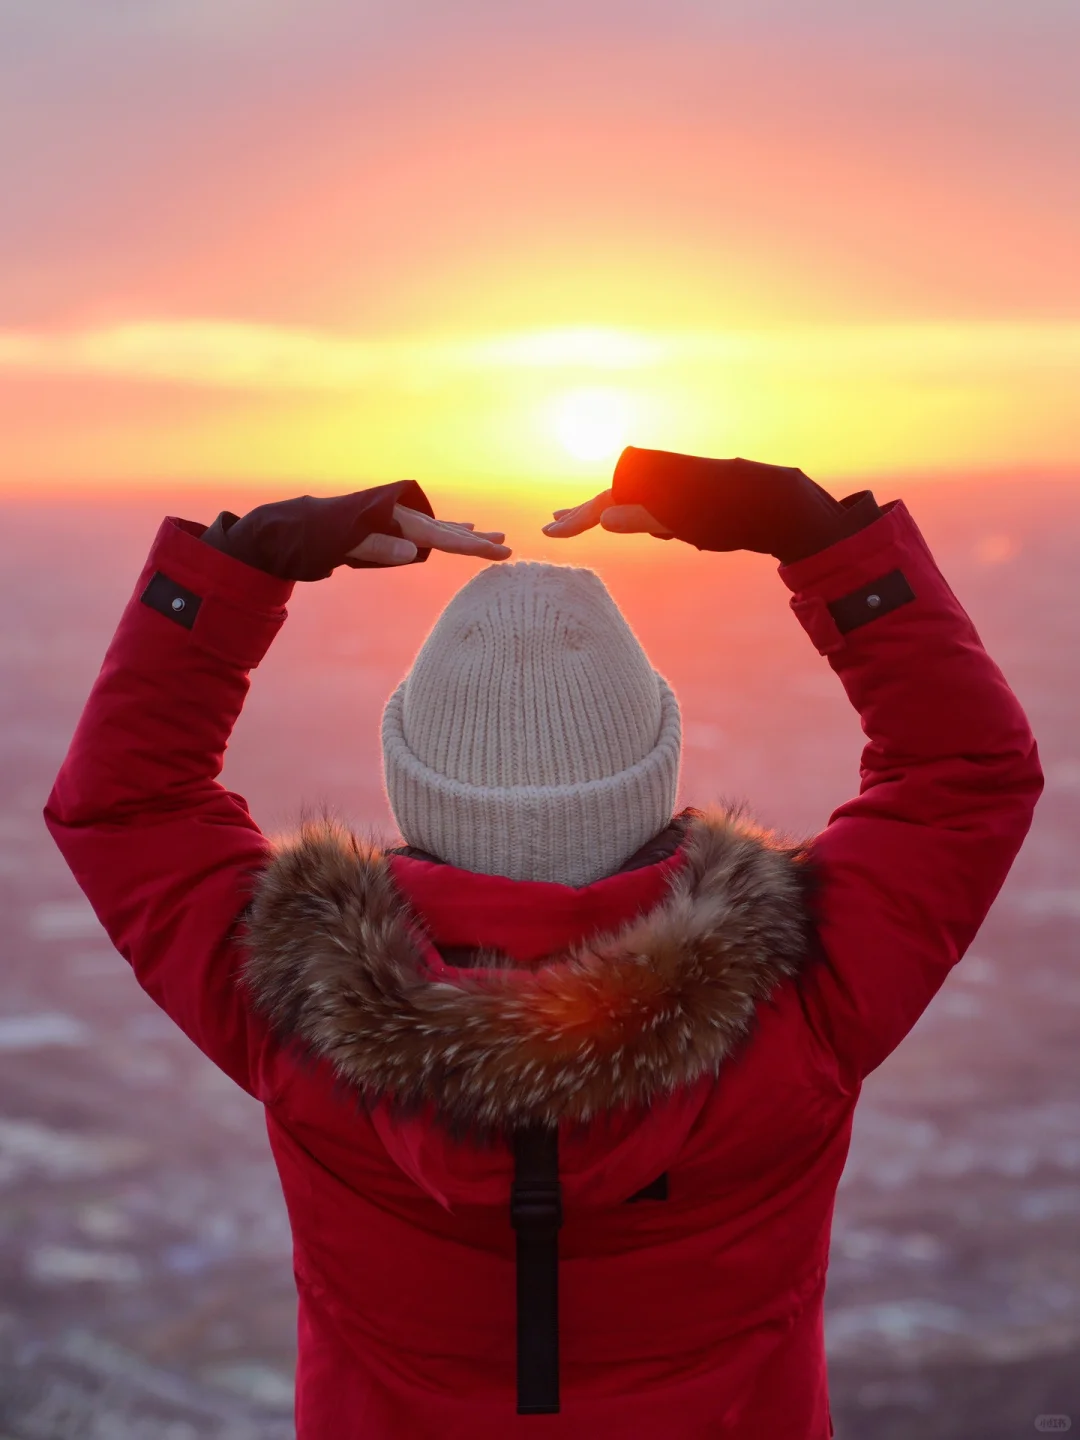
[(619, 1020)]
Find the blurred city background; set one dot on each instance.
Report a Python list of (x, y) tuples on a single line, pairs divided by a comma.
[(250, 249)]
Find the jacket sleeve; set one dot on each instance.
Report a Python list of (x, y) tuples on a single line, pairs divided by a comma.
[(949, 779), (162, 851)]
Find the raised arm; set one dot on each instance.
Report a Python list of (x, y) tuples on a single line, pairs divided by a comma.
[(160, 848), (949, 779)]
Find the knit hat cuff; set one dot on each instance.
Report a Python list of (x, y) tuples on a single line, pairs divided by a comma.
[(571, 834)]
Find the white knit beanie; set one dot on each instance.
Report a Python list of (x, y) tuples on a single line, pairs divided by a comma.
[(532, 738)]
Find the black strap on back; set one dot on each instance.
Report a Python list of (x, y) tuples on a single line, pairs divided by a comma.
[(536, 1215)]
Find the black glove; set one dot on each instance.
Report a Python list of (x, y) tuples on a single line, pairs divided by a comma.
[(307, 538), (738, 504)]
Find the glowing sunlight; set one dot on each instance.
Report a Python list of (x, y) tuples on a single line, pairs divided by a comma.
[(593, 423), (180, 399)]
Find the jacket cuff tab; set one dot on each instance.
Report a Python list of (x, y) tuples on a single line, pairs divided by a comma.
[(173, 601), (869, 602), (230, 610)]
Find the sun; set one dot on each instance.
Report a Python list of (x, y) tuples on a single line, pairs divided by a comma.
[(592, 423)]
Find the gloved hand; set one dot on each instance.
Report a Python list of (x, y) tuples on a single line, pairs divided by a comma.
[(307, 538), (719, 505)]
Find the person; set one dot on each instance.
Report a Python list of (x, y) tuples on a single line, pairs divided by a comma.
[(565, 1065)]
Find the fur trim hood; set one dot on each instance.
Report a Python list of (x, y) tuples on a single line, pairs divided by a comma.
[(336, 963)]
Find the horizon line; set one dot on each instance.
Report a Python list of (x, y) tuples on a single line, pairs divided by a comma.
[(513, 492)]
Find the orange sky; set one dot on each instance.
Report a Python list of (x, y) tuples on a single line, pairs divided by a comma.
[(258, 241)]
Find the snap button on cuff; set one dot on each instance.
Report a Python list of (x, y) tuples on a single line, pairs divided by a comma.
[(176, 602)]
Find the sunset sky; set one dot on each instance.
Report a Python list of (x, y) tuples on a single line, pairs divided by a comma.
[(338, 241)]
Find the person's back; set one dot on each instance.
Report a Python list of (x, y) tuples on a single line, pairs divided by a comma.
[(671, 1013)]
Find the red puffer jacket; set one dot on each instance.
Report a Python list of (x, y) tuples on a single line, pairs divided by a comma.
[(680, 1023)]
